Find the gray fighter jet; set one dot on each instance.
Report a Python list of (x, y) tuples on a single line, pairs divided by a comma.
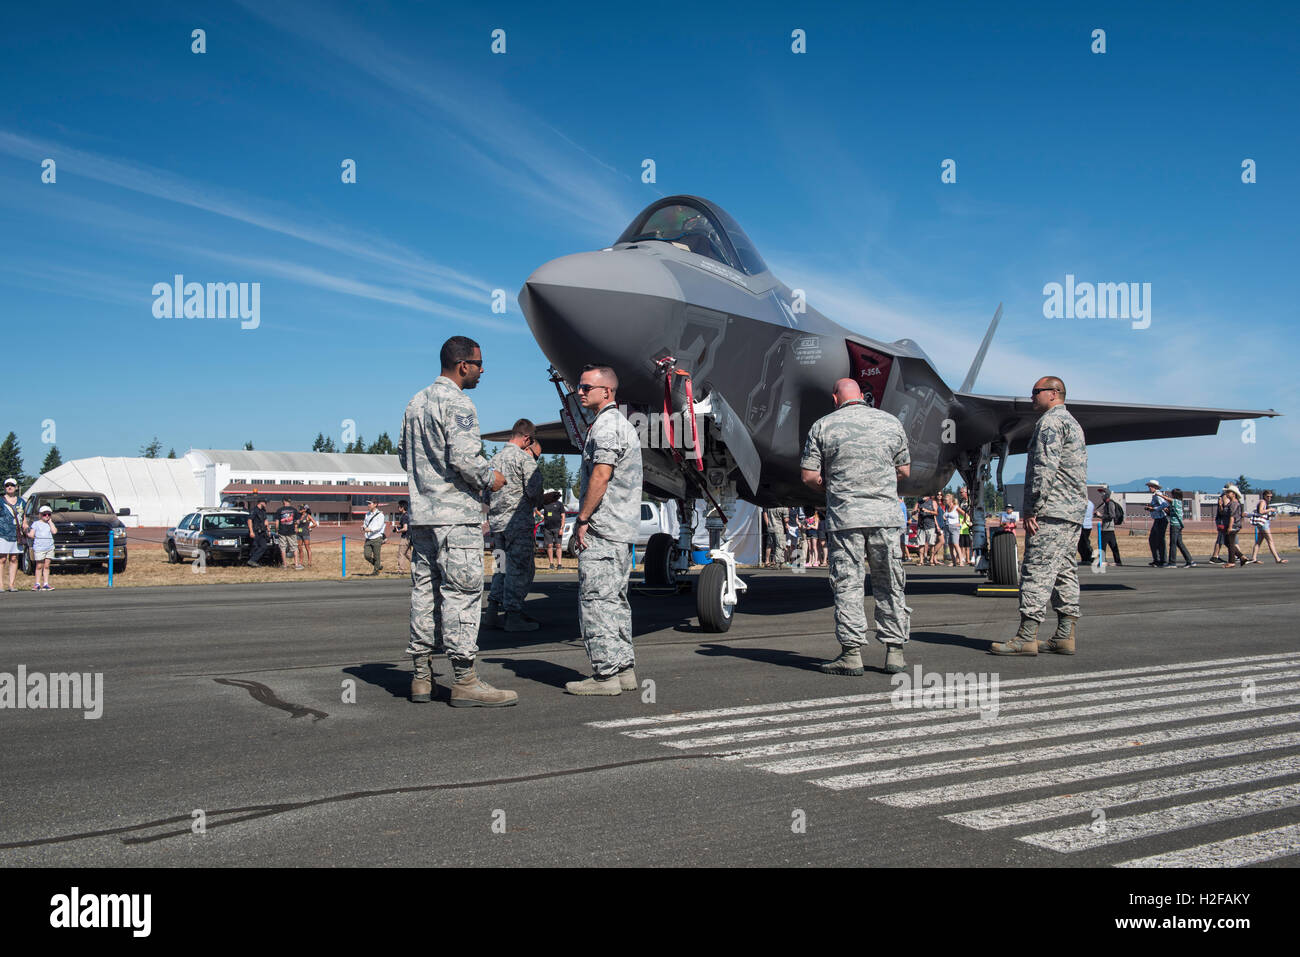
[(723, 369)]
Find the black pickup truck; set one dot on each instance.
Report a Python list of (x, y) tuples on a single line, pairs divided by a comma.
[(86, 530)]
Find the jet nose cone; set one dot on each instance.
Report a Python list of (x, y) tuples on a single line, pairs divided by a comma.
[(610, 307)]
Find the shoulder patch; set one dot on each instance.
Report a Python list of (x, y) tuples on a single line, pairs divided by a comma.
[(465, 423)]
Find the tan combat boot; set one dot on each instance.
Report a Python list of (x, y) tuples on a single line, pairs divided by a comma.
[(894, 663), (422, 680), (595, 685), (627, 680), (491, 616), (515, 621), (1024, 643), (1062, 642), (471, 691), (848, 663)]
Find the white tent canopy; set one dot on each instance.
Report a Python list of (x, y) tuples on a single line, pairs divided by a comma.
[(157, 491)]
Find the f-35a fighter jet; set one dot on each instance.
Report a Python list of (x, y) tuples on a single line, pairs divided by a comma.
[(723, 369)]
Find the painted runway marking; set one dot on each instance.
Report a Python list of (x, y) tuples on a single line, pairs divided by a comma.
[(1243, 713)]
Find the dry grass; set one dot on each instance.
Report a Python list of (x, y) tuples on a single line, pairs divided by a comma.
[(148, 562), (147, 565)]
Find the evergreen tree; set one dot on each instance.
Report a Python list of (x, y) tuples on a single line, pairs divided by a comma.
[(319, 444), (151, 450), (1243, 483), (382, 446), (171, 453), (248, 446), (328, 446), (52, 460), (11, 459)]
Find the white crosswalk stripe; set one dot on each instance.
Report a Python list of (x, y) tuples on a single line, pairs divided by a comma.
[(1241, 713), (1270, 845)]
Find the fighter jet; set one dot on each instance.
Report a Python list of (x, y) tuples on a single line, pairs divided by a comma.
[(723, 369)]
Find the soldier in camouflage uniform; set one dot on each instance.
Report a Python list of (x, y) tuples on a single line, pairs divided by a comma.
[(856, 455), (1056, 492), (510, 520), (776, 535), (606, 528), (447, 474)]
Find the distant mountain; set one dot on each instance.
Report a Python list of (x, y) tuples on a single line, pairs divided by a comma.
[(1195, 483)]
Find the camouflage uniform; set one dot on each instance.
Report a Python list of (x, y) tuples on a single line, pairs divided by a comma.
[(1056, 483), (510, 519), (776, 518), (857, 449), (446, 471), (605, 564)]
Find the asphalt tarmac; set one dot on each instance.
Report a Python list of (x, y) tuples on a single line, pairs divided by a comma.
[(268, 725)]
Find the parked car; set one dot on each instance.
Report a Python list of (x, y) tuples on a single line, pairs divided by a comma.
[(649, 526), (219, 534), (87, 530)]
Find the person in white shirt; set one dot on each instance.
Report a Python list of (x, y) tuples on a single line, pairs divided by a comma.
[(373, 527), (1085, 536)]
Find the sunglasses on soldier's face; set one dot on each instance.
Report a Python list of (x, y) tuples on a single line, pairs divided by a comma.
[(1036, 391)]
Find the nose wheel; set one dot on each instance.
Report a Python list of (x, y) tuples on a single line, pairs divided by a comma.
[(718, 591)]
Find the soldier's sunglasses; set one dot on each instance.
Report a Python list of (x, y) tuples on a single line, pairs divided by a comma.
[(474, 362), (1036, 391), (587, 387)]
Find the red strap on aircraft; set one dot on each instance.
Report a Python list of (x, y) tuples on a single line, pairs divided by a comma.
[(668, 364)]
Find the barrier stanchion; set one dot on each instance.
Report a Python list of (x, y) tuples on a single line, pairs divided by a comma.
[(110, 558), (345, 556)]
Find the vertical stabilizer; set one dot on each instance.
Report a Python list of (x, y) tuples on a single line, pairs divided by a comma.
[(969, 382)]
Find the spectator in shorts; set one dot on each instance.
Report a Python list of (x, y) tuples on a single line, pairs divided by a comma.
[(306, 522), (1262, 518), (286, 531), (815, 537), (1231, 528), (373, 528), (42, 535), (402, 528), (928, 530), (13, 522), (552, 529), (952, 515)]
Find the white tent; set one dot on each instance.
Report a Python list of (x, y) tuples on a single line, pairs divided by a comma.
[(157, 491), (744, 531)]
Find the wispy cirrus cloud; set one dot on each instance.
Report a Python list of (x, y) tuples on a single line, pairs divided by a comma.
[(508, 143), (415, 269)]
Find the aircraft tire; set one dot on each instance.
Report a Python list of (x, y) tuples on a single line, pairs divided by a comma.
[(1002, 560), (658, 561), (714, 615)]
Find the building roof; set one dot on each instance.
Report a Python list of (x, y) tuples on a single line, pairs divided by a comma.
[(155, 490), (348, 463)]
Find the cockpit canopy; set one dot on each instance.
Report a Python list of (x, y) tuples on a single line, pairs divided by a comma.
[(699, 226)]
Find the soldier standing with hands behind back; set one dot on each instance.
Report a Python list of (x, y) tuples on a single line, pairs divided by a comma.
[(856, 455), (447, 474), (1056, 489), (606, 527)]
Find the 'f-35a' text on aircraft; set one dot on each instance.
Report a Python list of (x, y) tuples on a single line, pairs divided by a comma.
[(724, 369)]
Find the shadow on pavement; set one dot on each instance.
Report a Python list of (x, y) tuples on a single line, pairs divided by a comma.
[(771, 656), (542, 672)]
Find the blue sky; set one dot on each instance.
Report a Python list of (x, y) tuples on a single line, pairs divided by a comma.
[(474, 168)]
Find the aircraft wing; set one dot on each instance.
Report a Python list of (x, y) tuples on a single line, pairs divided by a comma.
[(1105, 421), (554, 440)]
